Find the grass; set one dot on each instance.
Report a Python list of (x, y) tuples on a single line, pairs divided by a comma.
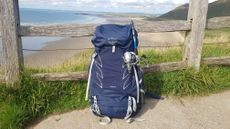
[(217, 36), (36, 99), (189, 82)]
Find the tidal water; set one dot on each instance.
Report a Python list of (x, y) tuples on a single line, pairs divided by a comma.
[(44, 16)]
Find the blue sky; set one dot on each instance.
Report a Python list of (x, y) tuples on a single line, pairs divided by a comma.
[(137, 6)]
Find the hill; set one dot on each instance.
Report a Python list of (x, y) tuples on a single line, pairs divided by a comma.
[(215, 9)]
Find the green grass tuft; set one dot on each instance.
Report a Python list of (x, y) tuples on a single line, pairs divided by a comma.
[(216, 50), (189, 82), (12, 115), (156, 56), (35, 99)]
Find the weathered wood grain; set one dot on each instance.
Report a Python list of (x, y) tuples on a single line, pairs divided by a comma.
[(188, 33), (88, 30), (162, 67), (0, 25), (225, 61), (162, 26), (195, 42), (61, 76), (12, 46), (58, 30)]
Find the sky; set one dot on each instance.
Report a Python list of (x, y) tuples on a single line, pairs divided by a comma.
[(130, 6)]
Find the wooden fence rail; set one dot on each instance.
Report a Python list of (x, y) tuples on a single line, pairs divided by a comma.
[(162, 67), (145, 26), (11, 32)]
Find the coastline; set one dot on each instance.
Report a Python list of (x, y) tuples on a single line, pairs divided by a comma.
[(54, 57)]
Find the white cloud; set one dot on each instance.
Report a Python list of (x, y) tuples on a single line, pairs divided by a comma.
[(154, 6)]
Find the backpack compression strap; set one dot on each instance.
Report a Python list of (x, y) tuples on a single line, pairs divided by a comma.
[(137, 83)]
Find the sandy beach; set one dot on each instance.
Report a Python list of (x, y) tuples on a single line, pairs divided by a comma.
[(57, 52), (51, 55)]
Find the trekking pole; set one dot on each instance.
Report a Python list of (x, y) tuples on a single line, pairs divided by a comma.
[(134, 38)]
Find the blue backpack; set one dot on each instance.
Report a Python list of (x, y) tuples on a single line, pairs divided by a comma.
[(115, 81)]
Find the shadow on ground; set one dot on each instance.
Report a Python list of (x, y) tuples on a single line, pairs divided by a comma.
[(153, 85)]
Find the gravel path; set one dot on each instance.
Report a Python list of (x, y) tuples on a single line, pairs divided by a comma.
[(209, 112)]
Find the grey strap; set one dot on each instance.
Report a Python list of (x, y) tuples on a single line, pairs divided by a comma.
[(129, 109), (130, 120), (105, 120), (134, 104), (142, 91), (137, 83)]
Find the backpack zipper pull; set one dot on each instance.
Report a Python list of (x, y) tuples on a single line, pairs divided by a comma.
[(113, 49)]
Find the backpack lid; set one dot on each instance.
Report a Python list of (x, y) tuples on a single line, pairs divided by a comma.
[(112, 35)]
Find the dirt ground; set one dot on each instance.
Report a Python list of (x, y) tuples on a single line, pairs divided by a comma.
[(209, 112)]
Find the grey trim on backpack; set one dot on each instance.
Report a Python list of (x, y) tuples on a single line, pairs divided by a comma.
[(94, 107), (89, 76), (129, 109), (142, 91), (105, 120), (137, 83), (134, 104), (132, 107)]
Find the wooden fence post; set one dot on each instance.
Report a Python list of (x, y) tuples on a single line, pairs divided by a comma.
[(11, 40), (194, 39), (188, 33)]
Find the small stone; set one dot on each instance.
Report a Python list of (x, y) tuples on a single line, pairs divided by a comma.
[(57, 117)]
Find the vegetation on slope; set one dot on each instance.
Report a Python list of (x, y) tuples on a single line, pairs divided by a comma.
[(215, 9)]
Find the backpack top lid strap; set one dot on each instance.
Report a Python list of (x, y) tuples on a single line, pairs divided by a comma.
[(113, 35)]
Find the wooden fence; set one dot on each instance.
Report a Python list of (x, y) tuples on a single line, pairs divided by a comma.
[(11, 32)]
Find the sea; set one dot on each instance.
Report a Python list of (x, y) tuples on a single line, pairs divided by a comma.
[(44, 16)]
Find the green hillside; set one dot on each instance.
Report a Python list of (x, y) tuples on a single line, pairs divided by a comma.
[(215, 9)]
